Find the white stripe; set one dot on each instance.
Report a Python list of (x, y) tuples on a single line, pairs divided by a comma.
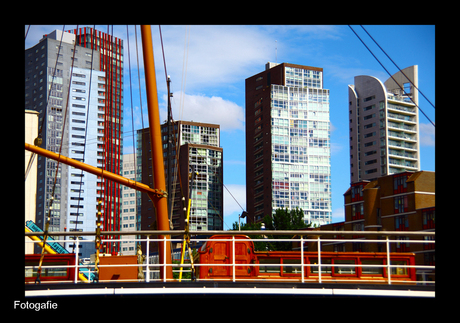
[(253, 291)]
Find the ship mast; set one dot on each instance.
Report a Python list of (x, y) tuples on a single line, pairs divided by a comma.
[(160, 204)]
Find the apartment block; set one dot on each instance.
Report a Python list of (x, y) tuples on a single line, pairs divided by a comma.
[(398, 202), (129, 217), (288, 143), (384, 131), (198, 147), (78, 72)]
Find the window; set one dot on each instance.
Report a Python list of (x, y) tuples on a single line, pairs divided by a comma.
[(339, 270), (324, 269), (400, 183), (369, 98), (428, 218), (401, 204), (372, 270), (291, 269), (356, 193), (401, 271), (357, 211), (402, 223), (265, 267)]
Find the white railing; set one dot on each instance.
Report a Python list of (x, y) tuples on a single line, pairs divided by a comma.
[(150, 268)]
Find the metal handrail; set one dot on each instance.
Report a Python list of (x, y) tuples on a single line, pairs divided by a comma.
[(234, 233), (315, 237)]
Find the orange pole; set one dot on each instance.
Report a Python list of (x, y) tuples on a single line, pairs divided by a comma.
[(93, 170), (160, 204)]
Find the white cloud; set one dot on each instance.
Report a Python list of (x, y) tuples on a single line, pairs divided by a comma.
[(216, 55), (201, 108), (427, 134)]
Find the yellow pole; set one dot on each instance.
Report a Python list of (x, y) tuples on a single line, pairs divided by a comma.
[(185, 239)]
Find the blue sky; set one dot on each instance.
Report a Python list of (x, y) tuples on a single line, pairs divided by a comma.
[(208, 66)]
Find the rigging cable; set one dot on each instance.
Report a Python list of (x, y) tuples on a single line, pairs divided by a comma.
[(27, 32), (168, 122), (132, 114), (176, 172), (398, 67), (85, 141), (50, 204), (184, 72), (391, 76), (38, 140)]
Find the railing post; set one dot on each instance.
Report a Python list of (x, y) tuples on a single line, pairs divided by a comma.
[(388, 260), (233, 257), (302, 259), (164, 259), (319, 259), (76, 260), (147, 272)]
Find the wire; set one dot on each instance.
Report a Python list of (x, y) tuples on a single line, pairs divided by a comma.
[(391, 75), (398, 67), (184, 71), (86, 134), (27, 32)]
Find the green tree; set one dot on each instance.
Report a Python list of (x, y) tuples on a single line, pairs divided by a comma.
[(258, 245), (283, 219)]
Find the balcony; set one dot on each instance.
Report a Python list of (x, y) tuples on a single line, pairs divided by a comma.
[(402, 135), (401, 163), (405, 118), (402, 154), (411, 110), (402, 126), (402, 145)]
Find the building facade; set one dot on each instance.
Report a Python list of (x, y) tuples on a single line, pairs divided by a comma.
[(384, 131), (198, 145), (47, 69), (398, 202), (129, 220), (58, 73), (288, 143), (109, 49), (84, 138)]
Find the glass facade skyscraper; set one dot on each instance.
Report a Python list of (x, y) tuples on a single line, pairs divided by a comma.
[(288, 143)]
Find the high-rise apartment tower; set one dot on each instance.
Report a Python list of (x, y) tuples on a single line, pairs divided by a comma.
[(288, 143), (384, 131), (81, 73), (199, 148)]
